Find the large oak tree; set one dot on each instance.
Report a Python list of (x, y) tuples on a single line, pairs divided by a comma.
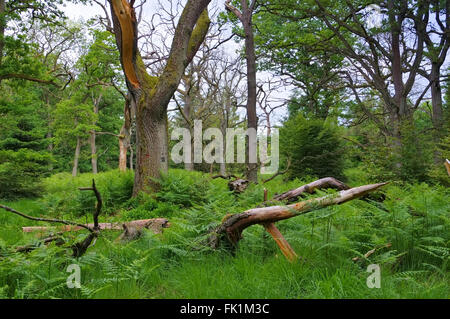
[(150, 94)]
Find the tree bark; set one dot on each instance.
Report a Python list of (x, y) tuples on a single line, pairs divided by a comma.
[(125, 136), (245, 17), (152, 94), (2, 30), (327, 182), (232, 227), (92, 139), (286, 249), (252, 120), (76, 157), (158, 223)]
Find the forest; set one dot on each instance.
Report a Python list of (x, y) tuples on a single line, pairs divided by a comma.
[(198, 149)]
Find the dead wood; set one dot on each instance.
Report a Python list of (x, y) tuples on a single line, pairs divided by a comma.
[(133, 230), (98, 206), (372, 251), (238, 186), (279, 172), (232, 227), (157, 225), (294, 194), (49, 220), (286, 249), (78, 248), (27, 248)]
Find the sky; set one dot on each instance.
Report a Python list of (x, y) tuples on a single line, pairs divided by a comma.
[(85, 12)]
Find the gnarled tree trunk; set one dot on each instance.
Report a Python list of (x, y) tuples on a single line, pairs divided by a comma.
[(230, 231), (153, 94)]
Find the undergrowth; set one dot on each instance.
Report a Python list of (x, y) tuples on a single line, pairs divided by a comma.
[(413, 219)]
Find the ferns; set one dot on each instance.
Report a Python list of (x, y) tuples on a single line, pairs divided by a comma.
[(413, 218)]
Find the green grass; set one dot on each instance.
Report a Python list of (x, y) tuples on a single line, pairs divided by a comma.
[(413, 218)]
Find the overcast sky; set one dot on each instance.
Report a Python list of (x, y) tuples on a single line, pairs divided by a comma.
[(85, 12)]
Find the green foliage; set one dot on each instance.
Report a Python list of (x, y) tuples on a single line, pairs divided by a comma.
[(438, 172), (413, 218), (313, 146), (24, 155), (63, 197)]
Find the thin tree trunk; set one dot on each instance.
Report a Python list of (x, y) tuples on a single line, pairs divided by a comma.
[(92, 139), (125, 135), (252, 120), (76, 157), (2, 30), (122, 154), (437, 110), (131, 158), (187, 113)]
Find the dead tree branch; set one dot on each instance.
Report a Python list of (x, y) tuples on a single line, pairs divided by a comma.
[(232, 227)]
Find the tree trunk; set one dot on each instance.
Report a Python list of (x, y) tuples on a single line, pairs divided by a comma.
[(232, 227), (122, 154), (2, 30), (152, 94), (131, 158), (252, 120), (92, 139), (76, 158), (437, 110), (125, 135), (151, 150), (187, 113)]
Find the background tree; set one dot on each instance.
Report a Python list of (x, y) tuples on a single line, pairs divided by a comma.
[(243, 10)]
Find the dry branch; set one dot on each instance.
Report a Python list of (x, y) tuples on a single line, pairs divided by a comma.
[(49, 220), (286, 249), (158, 223), (232, 227), (279, 172), (98, 206), (327, 182), (27, 248), (372, 251)]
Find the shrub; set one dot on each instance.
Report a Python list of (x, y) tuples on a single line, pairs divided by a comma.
[(313, 146)]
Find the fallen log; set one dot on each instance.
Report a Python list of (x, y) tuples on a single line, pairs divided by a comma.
[(155, 224), (27, 248), (237, 186), (232, 227), (327, 182)]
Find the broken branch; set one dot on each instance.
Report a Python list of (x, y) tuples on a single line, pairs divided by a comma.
[(49, 220), (232, 227)]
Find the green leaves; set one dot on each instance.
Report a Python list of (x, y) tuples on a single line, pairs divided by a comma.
[(313, 147)]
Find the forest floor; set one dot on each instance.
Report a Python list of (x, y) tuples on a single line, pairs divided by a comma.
[(414, 219)]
